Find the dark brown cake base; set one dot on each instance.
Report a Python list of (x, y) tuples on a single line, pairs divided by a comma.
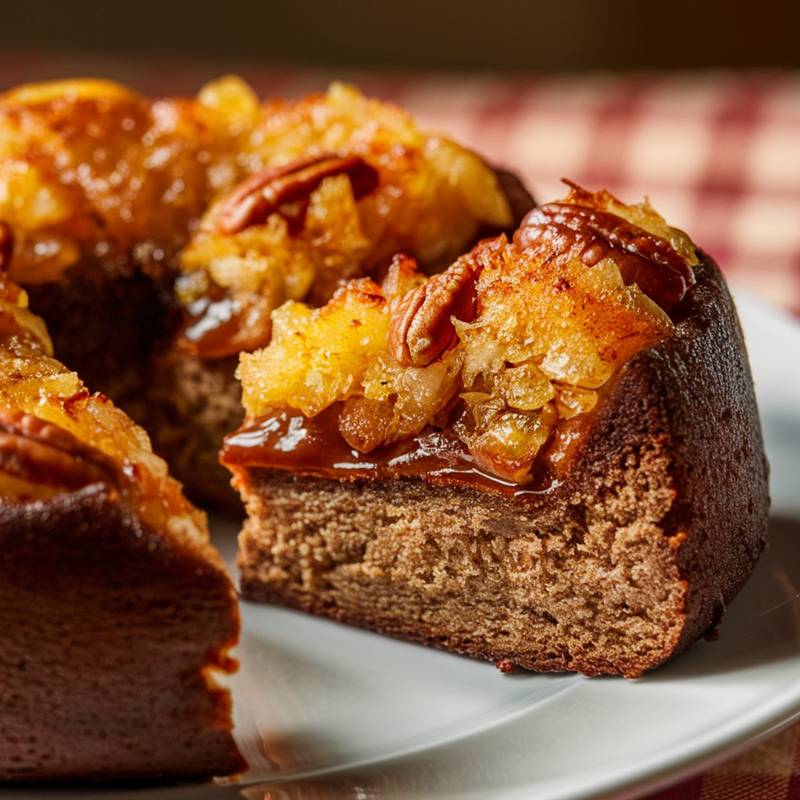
[(111, 675), (627, 561)]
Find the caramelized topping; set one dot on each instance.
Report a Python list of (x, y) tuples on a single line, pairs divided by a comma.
[(340, 184), (314, 446), (90, 170), (222, 326), (504, 350), (278, 202), (55, 436)]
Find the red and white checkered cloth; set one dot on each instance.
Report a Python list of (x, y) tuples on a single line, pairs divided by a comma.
[(718, 155), (770, 771)]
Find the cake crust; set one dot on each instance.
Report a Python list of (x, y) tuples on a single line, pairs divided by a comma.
[(631, 558)]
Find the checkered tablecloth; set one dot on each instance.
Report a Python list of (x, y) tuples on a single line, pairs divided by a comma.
[(718, 155)]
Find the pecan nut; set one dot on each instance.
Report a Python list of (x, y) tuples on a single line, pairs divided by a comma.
[(39, 452), (267, 191), (642, 257), (422, 322)]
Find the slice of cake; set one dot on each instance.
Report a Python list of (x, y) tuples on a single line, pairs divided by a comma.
[(548, 455), (116, 611)]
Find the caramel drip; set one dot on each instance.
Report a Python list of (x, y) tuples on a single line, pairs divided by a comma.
[(313, 446)]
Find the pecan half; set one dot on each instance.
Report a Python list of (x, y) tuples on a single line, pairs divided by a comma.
[(265, 192), (422, 322), (643, 258), (42, 453), (6, 246)]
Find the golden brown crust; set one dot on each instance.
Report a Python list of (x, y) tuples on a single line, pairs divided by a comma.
[(679, 418), (193, 402), (99, 254), (509, 341)]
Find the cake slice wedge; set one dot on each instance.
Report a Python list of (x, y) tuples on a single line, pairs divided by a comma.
[(116, 612), (548, 456)]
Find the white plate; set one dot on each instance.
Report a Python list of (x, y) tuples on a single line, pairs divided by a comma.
[(326, 711)]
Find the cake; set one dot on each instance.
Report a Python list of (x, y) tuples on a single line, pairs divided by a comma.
[(117, 613), (155, 236), (548, 455)]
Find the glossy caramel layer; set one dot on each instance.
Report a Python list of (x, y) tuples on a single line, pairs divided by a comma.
[(313, 446)]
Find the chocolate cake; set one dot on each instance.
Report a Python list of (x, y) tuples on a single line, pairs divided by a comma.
[(548, 456), (116, 612), (155, 237)]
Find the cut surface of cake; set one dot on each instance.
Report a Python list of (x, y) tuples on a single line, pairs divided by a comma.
[(548, 455), (116, 611)]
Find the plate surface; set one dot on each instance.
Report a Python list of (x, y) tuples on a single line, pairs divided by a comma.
[(326, 711)]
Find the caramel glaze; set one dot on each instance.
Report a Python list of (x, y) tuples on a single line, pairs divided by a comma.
[(289, 441)]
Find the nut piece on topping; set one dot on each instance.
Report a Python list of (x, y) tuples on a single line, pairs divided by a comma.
[(274, 190), (511, 339), (595, 225), (44, 458), (422, 323)]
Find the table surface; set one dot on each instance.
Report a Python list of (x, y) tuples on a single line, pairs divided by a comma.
[(718, 154)]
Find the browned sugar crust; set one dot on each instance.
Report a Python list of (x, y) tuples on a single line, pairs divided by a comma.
[(110, 320), (633, 557), (193, 403), (110, 630)]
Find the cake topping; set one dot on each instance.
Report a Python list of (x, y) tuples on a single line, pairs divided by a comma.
[(593, 226), (38, 454), (340, 184), (90, 170), (254, 204), (511, 341)]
